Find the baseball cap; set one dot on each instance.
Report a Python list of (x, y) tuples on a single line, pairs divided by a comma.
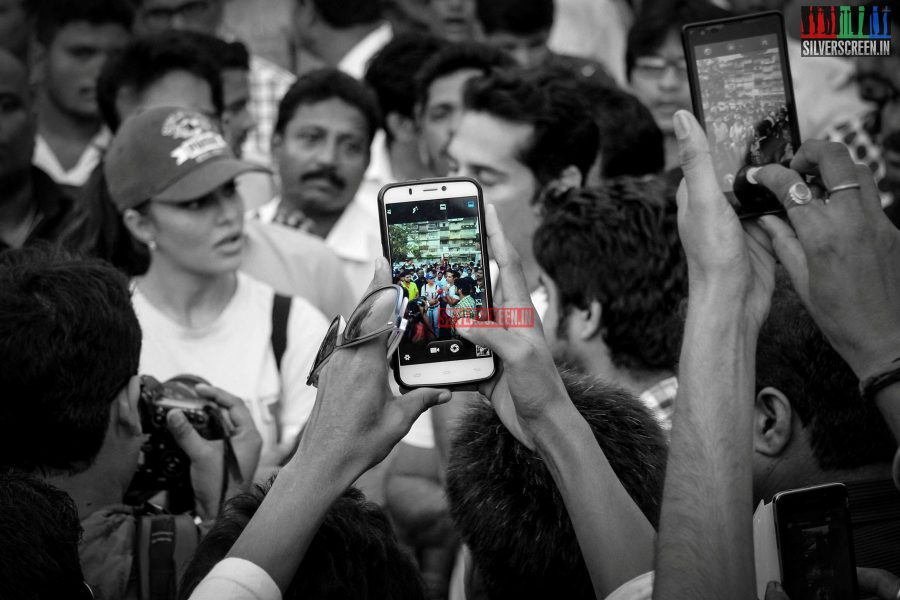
[(168, 154), (429, 276)]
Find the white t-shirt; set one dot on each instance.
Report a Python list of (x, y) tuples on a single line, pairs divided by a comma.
[(235, 353)]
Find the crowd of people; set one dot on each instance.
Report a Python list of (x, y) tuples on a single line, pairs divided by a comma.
[(177, 203), (439, 293)]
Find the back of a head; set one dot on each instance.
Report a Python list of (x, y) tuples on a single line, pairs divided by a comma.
[(229, 55), (354, 554), (39, 534), (793, 356), (657, 20), (53, 15), (515, 17), (458, 56), (69, 342), (326, 84), (620, 246), (392, 71), (564, 130), (348, 13), (631, 143), (148, 59), (508, 509)]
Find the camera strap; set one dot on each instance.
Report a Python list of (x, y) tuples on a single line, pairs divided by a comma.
[(230, 470)]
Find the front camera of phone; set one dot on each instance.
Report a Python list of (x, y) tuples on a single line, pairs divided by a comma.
[(410, 191), (443, 188)]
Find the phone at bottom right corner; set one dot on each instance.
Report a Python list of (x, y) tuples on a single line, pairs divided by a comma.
[(815, 543)]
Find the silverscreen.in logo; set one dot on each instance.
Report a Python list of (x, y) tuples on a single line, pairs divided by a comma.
[(845, 30)]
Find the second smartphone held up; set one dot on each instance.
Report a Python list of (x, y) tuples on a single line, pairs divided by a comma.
[(433, 235), (741, 90)]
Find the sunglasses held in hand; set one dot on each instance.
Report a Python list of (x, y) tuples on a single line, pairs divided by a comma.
[(381, 311)]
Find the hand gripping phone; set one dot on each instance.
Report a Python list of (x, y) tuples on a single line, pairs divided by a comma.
[(815, 543), (741, 91), (432, 233)]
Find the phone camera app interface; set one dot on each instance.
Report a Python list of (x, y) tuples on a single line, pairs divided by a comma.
[(744, 104), (436, 257)]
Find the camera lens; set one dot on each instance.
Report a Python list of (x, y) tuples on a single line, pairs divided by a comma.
[(443, 188)]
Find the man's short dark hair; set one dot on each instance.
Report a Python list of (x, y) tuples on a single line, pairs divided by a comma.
[(147, 59), (326, 84), (515, 16), (631, 143), (69, 342), (348, 13), (392, 71), (52, 15), (564, 130), (466, 285), (354, 554), (508, 509), (620, 246), (459, 56), (40, 530), (656, 20), (793, 356), (230, 55)]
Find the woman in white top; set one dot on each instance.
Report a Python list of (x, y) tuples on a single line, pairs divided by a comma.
[(172, 178)]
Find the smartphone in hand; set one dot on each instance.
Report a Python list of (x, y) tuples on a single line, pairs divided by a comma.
[(815, 543), (432, 233), (741, 91)]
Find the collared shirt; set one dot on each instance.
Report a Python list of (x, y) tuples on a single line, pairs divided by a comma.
[(355, 238), (268, 84), (660, 399), (296, 263), (45, 159), (355, 62), (54, 210), (858, 133)]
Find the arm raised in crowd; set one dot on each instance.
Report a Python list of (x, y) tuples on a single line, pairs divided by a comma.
[(354, 424), (843, 255), (615, 537), (705, 547)]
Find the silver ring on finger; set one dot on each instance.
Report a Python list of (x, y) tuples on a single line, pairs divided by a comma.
[(798, 195), (842, 187)]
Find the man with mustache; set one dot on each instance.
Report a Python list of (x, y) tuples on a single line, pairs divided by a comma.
[(323, 133)]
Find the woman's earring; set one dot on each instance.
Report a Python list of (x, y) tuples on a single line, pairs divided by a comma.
[(152, 245)]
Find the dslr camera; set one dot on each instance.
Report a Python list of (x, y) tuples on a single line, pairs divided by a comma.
[(164, 465)]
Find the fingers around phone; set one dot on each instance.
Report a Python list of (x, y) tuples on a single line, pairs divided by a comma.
[(803, 210), (490, 335), (512, 277), (414, 403), (883, 584), (381, 276), (869, 196), (831, 161), (788, 250), (696, 161), (774, 591)]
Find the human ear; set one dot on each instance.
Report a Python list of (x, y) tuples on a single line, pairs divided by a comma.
[(140, 226), (128, 415), (585, 323), (772, 422)]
